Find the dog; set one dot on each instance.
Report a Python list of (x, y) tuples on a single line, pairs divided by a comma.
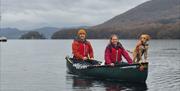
[(141, 49)]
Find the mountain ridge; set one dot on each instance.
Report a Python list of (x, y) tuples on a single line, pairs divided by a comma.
[(158, 18)]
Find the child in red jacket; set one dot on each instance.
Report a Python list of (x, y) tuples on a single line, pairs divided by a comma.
[(81, 48), (114, 52)]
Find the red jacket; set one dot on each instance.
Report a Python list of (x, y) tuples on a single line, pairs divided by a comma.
[(82, 49), (114, 54)]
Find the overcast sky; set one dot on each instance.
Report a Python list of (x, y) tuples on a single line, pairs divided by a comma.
[(30, 14)]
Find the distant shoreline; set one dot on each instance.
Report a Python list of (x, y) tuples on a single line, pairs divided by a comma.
[(89, 39)]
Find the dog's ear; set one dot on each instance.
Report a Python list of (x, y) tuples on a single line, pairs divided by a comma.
[(140, 37), (148, 37)]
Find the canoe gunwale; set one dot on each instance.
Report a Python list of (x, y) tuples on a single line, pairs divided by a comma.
[(119, 65)]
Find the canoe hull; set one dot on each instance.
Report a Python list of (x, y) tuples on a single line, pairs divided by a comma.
[(126, 72)]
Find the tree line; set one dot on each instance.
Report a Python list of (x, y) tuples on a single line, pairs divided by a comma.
[(155, 30)]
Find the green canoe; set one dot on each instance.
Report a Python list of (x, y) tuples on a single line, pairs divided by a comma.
[(122, 72)]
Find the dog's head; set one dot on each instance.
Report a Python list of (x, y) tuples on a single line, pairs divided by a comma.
[(144, 38)]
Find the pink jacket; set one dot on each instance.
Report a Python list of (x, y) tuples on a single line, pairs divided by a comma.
[(114, 54)]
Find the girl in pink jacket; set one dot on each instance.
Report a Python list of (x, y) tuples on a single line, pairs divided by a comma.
[(114, 52)]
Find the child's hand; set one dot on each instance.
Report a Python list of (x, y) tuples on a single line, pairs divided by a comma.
[(84, 58), (112, 64), (91, 58)]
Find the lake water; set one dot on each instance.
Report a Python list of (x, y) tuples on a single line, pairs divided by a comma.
[(39, 65)]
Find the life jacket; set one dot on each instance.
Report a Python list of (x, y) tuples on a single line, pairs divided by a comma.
[(116, 52), (82, 49)]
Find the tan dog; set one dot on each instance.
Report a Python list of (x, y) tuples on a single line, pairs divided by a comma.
[(141, 49)]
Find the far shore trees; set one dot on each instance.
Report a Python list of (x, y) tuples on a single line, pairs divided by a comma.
[(32, 35)]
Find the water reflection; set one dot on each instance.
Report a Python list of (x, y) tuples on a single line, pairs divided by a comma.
[(82, 83), (85, 84)]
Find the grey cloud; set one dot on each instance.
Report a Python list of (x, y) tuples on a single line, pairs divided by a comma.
[(25, 14)]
